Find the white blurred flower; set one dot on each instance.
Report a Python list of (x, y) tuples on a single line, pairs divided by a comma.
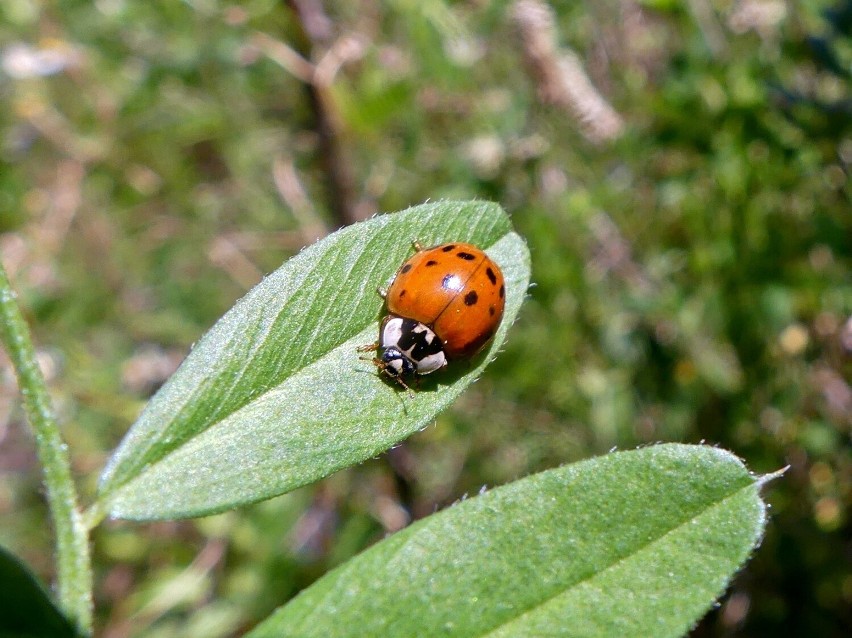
[(21, 60)]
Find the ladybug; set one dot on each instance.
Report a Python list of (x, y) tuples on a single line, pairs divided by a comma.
[(444, 303)]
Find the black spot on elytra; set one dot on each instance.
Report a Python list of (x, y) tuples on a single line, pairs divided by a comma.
[(448, 248), (491, 276), (502, 291), (491, 310), (471, 298), (405, 268), (431, 262), (466, 256), (402, 293)]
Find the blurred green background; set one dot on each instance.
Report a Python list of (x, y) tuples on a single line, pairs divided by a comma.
[(687, 209)]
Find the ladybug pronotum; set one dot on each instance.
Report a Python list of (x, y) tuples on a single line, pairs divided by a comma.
[(444, 303)]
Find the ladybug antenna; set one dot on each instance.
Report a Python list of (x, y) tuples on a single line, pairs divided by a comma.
[(383, 368)]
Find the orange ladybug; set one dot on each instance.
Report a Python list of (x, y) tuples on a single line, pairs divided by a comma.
[(444, 303)]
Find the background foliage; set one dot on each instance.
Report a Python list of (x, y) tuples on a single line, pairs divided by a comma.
[(691, 274)]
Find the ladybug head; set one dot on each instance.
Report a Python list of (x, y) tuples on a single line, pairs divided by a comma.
[(397, 365)]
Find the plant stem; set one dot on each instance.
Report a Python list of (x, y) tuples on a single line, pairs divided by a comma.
[(74, 570)]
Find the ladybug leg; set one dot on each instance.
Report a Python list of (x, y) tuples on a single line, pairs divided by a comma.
[(418, 246), (370, 347), (383, 292), (374, 360)]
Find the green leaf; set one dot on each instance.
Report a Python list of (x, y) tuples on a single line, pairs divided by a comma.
[(26, 608), (276, 395), (633, 543)]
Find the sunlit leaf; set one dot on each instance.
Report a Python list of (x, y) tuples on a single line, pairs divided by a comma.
[(634, 543)]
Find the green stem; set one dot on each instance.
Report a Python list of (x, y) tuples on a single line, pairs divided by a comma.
[(74, 570)]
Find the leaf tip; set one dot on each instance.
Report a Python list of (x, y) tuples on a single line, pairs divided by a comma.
[(766, 478)]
